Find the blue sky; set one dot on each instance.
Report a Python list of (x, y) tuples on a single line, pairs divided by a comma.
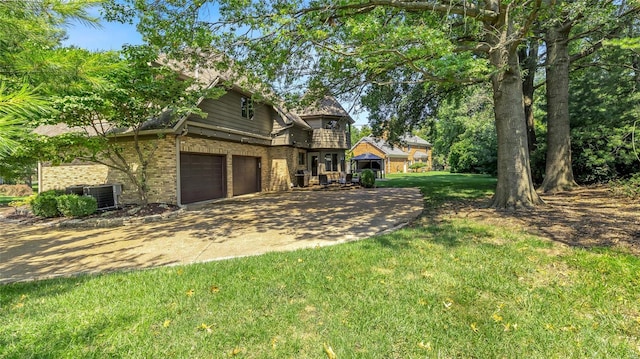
[(109, 36), (113, 35)]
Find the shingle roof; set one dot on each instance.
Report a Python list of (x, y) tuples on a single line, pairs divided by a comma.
[(414, 140), (420, 154), (328, 106), (210, 76), (385, 147)]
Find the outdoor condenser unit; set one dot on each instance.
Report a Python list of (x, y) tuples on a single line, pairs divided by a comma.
[(106, 195), (79, 190)]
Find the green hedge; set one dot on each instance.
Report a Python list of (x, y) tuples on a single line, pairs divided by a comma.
[(46, 205), (55, 203), (72, 205)]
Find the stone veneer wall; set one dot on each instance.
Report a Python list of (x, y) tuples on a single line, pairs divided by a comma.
[(70, 174), (278, 168), (428, 151), (395, 165), (283, 167), (161, 173)]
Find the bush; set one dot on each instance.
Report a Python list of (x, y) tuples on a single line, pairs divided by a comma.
[(45, 204), (417, 165), (627, 188), (72, 205), (367, 178), (15, 190)]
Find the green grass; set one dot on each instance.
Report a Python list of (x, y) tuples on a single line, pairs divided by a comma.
[(457, 289), (5, 200), (439, 187)]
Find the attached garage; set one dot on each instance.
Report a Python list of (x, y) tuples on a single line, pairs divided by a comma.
[(202, 177), (246, 175)]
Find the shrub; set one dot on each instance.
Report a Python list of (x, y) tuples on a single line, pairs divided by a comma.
[(367, 178), (627, 188), (417, 165), (45, 204), (72, 205), (15, 190)]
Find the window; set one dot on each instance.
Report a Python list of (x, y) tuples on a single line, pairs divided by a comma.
[(247, 107), (301, 156), (332, 125), (331, 162)]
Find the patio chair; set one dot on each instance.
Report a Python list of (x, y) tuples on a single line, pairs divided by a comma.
[(346, 180), (324, 181)]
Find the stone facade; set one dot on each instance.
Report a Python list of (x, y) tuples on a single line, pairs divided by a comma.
[(161, 173), (70, 174), (278, 167), (412, 151), (391, 164), (396, 163)]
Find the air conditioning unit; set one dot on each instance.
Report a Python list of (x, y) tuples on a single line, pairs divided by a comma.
[(79, 190), (106, 195)]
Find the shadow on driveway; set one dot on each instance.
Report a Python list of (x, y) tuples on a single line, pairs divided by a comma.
[(238, 227)]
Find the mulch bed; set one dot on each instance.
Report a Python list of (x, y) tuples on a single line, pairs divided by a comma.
[(24, 216), (585, 217)]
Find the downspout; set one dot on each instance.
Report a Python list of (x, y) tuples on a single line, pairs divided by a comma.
[(39, 177), (178, 192)]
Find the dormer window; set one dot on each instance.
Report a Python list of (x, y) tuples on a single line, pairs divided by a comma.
[(246, 104)]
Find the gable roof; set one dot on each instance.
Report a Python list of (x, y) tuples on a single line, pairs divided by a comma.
[(382, 145), (393, 151), (210, 77), (414, 140), (420, 155)]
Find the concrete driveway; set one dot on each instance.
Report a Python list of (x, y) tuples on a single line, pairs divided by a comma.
[(238, 227)]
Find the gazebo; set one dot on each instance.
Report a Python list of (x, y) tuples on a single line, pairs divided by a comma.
[(370, 161)]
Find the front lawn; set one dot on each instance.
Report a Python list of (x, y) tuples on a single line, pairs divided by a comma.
[(454, 288)]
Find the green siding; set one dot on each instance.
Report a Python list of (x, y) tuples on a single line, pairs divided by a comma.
[(226, 112)]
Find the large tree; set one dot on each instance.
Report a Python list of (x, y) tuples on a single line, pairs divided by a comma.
[(120, 121), (350, 45), (574, 31)]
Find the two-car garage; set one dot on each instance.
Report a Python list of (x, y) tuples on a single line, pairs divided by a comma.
[(203, 177)]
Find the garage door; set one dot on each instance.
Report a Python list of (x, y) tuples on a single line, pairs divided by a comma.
[(246, 175), (202, 177)]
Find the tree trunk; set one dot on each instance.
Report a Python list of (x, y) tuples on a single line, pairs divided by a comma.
[(558, 170), (515, 188), (528, 57)]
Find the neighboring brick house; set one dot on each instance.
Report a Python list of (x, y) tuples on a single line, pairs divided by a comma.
[(395, 159), (242, 147)]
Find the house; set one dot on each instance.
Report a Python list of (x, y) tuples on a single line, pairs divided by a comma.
[(379, 155), (243, 146)]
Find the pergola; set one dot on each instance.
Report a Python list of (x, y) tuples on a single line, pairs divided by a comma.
[(368, 160)]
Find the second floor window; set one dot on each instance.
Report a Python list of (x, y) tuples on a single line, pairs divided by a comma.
[(332, 125), (246, 104)]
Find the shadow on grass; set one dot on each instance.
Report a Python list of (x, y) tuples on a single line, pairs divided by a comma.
[(439, 186), (448, 234), (13, 293)]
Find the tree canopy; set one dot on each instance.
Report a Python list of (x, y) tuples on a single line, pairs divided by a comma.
[(347, 47), (29, 33)]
